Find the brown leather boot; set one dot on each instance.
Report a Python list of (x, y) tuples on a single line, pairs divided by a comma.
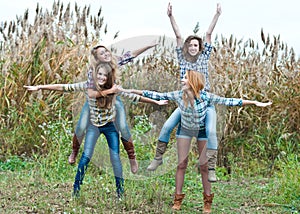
[(129, 147), (75, 149), (161, 148), (177, 201), (207, 199)]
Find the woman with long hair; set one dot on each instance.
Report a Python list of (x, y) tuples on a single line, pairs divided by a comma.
[(193, 103), (102, 54), (102, 113)]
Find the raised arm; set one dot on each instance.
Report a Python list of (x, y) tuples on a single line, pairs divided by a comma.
[(137, 52), (174, 26), (213, 24)]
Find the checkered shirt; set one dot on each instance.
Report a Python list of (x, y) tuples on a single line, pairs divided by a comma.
[(193, 117), (201, 65)]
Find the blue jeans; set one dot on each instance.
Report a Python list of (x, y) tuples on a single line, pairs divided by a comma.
[(83, 121), (120, 120), (210, 126), (113, 141), (169, 125)]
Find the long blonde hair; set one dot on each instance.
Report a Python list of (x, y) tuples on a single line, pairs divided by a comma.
[(94, 60), (105, 101)]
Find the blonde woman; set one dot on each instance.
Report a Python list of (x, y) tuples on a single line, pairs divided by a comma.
[(102, 113), (102, 54)]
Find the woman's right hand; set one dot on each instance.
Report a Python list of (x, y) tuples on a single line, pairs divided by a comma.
[(169, 11), (31, 88)]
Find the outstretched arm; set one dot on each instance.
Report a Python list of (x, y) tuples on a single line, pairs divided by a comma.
[(231, 101), (74, 87), (213, 24), (53, 87), (137, 52), (157, 102), (257, 103), (174, 26), (134, 91), (95, 94), (144, 99)]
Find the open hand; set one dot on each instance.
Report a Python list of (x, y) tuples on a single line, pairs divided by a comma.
[(219, 10), (169, 11), (31, 88), (162, 102), (260, 104)]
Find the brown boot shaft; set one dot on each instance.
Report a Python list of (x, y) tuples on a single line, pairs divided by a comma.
[(75, 149), (178, 201), (129, 147), (207, 199)]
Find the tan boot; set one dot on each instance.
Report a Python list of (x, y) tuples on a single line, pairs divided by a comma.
[(75, 149), (207, 199), (212, 162), (177, 201), (129, 147), (161, 148)]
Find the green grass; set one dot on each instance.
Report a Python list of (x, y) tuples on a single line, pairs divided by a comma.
[(43, 183), (28, 189)]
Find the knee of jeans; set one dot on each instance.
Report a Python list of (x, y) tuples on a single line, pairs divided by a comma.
[(166, 129), (115, 158)]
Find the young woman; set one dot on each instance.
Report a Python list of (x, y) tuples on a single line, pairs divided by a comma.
[(101, 119), (193, 107), (102, 54), (192, 55)]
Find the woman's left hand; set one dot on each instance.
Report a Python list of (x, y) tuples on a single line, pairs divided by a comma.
[(260, 104), (31, 88)]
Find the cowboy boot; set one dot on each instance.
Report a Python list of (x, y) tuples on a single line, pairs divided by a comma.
[(82, 167), (75, 149), (129, 147), (207, 199), (161, 148), (177, 201), (212, 162)]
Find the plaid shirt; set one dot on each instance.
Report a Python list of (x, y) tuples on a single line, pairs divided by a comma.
[(201, 65), (193, 117), (99, 116), (122, 60)]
